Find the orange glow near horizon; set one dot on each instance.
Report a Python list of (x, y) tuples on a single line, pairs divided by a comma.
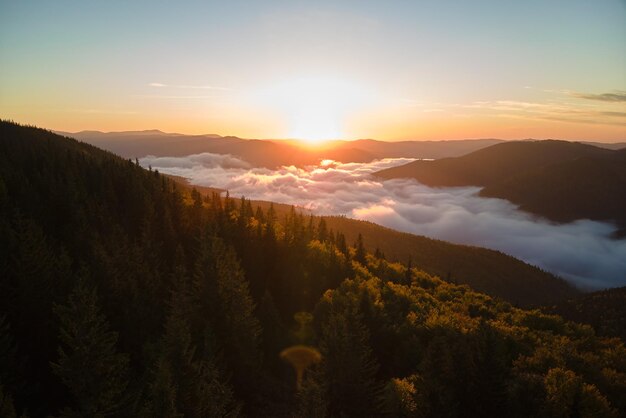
[(314, 108), (318, 71), (386, 124)]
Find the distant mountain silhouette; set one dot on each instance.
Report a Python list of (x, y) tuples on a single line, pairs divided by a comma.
[(271, 153), (560, 180)]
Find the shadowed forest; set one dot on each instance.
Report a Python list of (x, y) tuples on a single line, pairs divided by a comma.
[(124, 293)]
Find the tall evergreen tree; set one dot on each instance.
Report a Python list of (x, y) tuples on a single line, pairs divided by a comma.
[(359, 253), (349, 367), (89, 365), (408, 275), (322, 230), (224, 305), (186, 383)]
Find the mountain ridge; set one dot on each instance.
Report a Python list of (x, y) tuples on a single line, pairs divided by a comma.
[(559, 180)]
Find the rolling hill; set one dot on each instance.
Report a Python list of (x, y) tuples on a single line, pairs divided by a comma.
[(562, 181)]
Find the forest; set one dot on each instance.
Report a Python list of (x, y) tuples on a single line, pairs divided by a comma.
[(125, 294)]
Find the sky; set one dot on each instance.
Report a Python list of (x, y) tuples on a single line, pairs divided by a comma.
[(581, 252), (388, 70)]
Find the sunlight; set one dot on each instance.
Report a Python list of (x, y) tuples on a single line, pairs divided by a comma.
[(315, 108)]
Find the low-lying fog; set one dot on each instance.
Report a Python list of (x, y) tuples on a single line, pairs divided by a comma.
[(581, 251)]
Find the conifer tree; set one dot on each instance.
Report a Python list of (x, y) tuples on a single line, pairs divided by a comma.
[(311, 399), (359, 254), (273, 337), (258, 215), (322, 231), (408, 275), (89, 365), (186, 382), (348, 365), (222, 301), (8, 354), (7, 408), (568, 396), (341, 243)]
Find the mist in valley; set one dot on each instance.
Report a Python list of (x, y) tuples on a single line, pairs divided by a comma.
[(582, 252)]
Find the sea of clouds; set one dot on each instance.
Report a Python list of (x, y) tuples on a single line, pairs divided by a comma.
[(581, 252)]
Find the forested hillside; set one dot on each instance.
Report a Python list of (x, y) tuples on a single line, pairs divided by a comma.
[(485, 270), (123, 294)]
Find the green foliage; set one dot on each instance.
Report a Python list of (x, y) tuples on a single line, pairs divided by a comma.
[(567, 394), (186, 382), (225, 308), (89, 365), (7, 409), (311, 399), (349, 369), (604, 310), (404, 397)]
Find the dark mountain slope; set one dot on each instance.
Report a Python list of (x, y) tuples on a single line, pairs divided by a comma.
[(588, 187), (492, 164), (419, 149), (560, 180)]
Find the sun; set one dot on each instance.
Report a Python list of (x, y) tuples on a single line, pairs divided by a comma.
[(315, 109)]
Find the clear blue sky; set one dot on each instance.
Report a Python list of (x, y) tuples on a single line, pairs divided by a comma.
[(385, 69)]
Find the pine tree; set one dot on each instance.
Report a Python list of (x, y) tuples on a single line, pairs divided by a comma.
[(8, 354), (273, 338), (258, 215), (223, 303), (88, 364), (309, 232), (7, 408), (186, 382), (341, 243), (322, 231), (408, 275), (271, 215), (348, 365), (359, 254), (311, 399), (568, 396)]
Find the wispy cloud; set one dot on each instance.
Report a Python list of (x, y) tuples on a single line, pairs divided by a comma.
[(170, 96), (190, 86), (102, 111), (553, 110), (617, 96), (581, 251)]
